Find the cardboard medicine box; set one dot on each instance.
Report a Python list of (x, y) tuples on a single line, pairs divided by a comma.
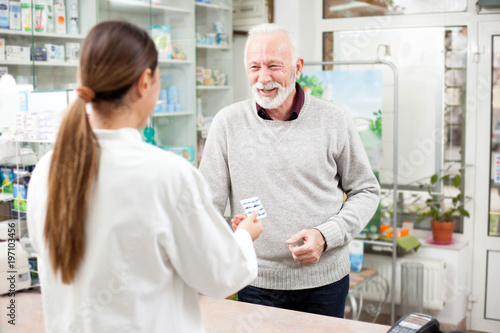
[(18, 53), (15, 15), (40, 54), (55, 52)]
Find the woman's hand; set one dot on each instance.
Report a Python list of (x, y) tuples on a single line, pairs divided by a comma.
[(237, 220), (250, 224)]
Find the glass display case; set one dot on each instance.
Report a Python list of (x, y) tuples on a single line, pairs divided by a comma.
[(171, 25), (214, 62), (41, 44), (43, 59)]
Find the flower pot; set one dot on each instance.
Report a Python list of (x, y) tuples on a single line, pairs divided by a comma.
[(442, 231)]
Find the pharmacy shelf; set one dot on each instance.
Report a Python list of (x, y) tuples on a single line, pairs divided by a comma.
[(34, 141), (214, 47), (213, 87), (175, 62), (39, 63), (40, 34), (212, 6), (173, 114), (57, 63), (138, 7)]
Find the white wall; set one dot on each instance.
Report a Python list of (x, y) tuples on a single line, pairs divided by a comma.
[(241, 88)]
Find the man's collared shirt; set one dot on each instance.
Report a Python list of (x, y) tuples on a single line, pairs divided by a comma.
[(296, 107)]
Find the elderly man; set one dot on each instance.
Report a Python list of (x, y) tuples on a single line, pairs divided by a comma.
[(298, 154)]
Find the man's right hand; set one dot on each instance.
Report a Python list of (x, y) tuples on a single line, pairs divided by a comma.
[(250, 224)]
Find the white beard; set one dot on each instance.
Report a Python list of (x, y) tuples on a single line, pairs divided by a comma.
[(271, 103)]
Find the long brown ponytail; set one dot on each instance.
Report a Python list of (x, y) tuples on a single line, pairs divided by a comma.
[(113, 56)]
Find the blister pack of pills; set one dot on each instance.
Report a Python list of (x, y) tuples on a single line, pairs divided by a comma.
[(251, 204)]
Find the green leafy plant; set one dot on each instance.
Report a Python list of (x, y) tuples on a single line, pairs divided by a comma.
[(376, 125), (311, 82), (434, 205)]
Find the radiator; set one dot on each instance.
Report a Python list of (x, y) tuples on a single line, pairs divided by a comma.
[(434, 279)]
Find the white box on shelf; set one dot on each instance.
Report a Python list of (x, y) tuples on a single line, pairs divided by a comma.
[(17, 53), (33, 135), (21, 134), (26, 15), (48, 115), (50, 15), (15, 15), (60, 18), (4, 14), (32, 116), (55, 52), (72, 17), (21, 117), (23, 276), (20, 122), (23, 99), (72, 51), (5, 228), (3, 71), (33, 124)]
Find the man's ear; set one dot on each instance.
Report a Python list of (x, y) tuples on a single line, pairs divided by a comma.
[(144, 82), (299, 66)]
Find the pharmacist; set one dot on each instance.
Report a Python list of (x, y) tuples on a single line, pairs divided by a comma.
[(298, 154), (126, 233)]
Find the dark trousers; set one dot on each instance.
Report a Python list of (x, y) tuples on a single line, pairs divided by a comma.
[(326, 300)]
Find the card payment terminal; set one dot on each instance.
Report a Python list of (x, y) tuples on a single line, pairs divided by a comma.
[(415, 323)]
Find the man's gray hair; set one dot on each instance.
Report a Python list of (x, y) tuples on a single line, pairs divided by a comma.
[(271, 28)]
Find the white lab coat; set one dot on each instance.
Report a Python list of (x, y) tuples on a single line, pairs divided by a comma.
[(153, 240)]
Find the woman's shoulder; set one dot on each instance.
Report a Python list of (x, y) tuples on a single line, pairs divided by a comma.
[(43, 165)]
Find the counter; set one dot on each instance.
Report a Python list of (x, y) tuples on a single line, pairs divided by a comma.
[(220, 316)]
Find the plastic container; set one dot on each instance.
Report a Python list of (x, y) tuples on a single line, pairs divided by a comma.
[(172, 94)]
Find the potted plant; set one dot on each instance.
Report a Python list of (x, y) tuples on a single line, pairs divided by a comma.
[(441, 215)]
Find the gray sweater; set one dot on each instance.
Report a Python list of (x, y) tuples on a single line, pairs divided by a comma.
[(299, 169)]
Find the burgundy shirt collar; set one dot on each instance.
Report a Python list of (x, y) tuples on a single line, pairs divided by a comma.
[(296, 107)]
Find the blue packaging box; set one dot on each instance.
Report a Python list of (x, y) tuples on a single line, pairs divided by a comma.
[(40, 54)]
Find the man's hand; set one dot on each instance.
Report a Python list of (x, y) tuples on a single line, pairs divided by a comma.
[(312, 249)]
